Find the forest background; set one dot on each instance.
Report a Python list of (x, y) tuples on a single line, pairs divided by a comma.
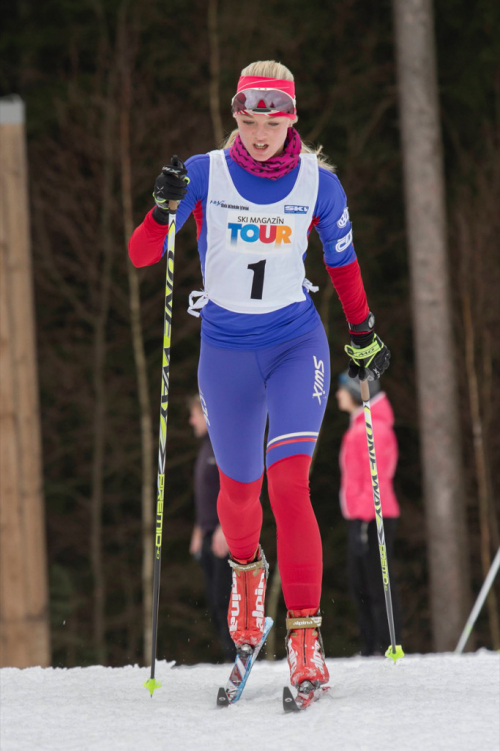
[(113, 89)]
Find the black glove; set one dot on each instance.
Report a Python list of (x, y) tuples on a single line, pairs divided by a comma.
[(171, 185), (369, 355)]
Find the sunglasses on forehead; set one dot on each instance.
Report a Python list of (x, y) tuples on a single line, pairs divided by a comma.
[(263, 102)]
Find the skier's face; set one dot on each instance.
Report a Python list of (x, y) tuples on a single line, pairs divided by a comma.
[(263, 136), (345, 401)]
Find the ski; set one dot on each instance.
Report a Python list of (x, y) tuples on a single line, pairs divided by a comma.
[(243, 664), (306, 695)]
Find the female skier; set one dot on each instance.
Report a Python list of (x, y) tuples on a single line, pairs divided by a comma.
[(264, 353)]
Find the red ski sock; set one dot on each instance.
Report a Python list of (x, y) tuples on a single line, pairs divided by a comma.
[(300, 556)]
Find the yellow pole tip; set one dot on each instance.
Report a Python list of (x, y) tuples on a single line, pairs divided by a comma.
[(395, 654), (151, 684)]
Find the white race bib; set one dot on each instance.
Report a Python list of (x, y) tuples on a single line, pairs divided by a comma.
[(254, 261)]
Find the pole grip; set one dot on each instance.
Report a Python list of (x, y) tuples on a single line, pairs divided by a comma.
[(365, 390)]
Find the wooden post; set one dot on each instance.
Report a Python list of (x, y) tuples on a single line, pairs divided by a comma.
[(24, 621)]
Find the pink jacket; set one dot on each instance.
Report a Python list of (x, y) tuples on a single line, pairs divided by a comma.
[(356, 495)]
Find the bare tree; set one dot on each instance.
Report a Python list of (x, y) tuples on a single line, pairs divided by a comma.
[(147, 504), (106, 238), (475, 236), (214, 59), (432, 320), (487, 520)]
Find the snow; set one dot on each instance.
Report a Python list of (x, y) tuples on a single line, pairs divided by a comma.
[(427, 702)]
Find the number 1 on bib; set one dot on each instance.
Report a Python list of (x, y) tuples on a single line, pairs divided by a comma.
[(258, 279)]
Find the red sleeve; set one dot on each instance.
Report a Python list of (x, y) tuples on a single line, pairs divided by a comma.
[(145, 247), (349, 287)]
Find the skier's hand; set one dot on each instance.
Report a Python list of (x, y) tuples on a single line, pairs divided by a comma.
[(369, 355), (171, 185), (368, 362), (196, 543), (219, 545)]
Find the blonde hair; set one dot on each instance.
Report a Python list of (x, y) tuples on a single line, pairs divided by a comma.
[(272, 69)]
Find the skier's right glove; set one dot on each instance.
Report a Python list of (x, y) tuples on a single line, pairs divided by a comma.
[(171, 185)]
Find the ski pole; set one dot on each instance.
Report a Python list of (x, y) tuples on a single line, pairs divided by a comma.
[(483, 594), (395, 651), (151, 684)]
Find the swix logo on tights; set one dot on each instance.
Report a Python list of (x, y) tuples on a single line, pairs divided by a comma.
[(319, 379), (258, 233), (204, 408)]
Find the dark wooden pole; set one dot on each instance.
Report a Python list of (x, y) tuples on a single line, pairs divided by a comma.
[(24, 621)]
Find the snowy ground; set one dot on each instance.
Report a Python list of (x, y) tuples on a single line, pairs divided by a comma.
[(426, 702)]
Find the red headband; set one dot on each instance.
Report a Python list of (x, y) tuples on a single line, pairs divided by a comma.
[(259, 82)]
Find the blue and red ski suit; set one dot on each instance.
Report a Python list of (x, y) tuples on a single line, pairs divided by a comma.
[(263, 369)]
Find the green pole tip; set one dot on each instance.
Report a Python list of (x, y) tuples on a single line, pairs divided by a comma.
[(396, 653), (151, 684)]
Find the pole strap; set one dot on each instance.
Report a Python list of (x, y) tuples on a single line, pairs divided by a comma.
[(363, 353)]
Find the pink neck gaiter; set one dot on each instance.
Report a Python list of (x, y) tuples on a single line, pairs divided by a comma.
[(272, 168)]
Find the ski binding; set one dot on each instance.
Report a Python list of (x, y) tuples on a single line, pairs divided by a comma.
[(243, 664), (306, 695)]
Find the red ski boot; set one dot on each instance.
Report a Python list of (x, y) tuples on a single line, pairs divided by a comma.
[(306, 656), (246, 606)]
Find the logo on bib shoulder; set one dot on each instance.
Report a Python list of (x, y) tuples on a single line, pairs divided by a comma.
[(291, 209), (224, 205), (256, 233)]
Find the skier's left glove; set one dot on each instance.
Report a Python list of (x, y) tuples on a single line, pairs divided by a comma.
[(171, 185), (369, 355)]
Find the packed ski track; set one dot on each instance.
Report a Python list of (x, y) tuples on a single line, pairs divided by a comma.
[(427, 702)]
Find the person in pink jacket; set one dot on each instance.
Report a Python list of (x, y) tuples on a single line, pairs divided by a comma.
[(356, 500)]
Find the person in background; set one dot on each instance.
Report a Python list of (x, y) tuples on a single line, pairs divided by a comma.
[(356, 500), (208, 544)]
